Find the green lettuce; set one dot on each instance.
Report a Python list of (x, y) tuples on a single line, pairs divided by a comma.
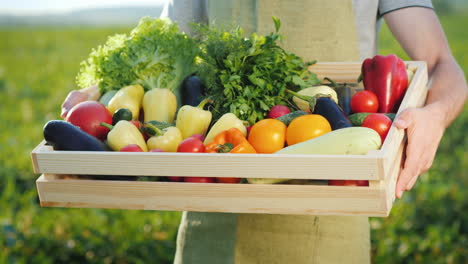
[(155, 54)]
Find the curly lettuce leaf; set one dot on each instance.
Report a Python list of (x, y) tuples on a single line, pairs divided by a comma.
[(155, 54)]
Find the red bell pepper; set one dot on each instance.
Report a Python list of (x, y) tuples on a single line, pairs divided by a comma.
[(386, 77)]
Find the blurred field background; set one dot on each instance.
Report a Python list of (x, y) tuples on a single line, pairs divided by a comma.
[(37, 69)]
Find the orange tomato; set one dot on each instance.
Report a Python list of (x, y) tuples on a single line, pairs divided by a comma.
[(267, 135), (306, 127)]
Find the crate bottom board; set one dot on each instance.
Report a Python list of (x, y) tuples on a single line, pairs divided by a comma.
[(55, 191)]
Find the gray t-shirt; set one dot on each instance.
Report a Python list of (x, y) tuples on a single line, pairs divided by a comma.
[(367, 14)]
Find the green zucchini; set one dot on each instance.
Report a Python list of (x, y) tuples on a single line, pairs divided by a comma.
[(286, 119), (358, 118), (345, 141), (105, 98)]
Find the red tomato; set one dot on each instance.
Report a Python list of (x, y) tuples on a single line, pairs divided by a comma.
[(175, 178), (348, 183), (228, 180), (364, 102), (88, 116), (191, 144), (199, 179), (379, 122), (131, 148)]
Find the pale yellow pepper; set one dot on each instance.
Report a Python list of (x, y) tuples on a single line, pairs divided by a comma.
[(159, 105), (193, 120), (124, 133), (167, 139), (129, 97)]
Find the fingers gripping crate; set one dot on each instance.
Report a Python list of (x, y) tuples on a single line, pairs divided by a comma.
[(57, 189)]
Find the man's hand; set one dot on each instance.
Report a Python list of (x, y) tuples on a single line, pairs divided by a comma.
[(424, 128), (420, 34)]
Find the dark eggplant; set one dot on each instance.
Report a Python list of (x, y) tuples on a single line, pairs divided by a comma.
[(327, 108), (345, 93), (62, 135), (192, 91)]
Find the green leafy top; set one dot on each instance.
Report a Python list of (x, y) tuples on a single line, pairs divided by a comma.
[(154, 54), (248, 76)]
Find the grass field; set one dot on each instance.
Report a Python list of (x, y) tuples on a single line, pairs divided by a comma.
[(38, 68)]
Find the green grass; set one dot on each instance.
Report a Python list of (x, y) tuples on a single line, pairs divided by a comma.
[(38, 68)]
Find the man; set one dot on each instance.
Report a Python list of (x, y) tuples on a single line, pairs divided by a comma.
[(326, 30)]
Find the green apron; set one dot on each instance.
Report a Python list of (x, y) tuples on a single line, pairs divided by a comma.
[(314, 29)]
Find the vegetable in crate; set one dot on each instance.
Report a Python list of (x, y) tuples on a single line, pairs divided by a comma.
[(278, 111), (155, 54), (124, 133), (230, 141), (345, 141), (287, 119), (159, 105), (121, 114), (193, 120), (364, 102), (192, 91), (379, 122), (128, 97), (62, 135), (167, 139), (88, 116), (268, 135), (312, 91), (358, 118), (386, 76), (248, 76), (323, 105), (226, 122), (306, 127)]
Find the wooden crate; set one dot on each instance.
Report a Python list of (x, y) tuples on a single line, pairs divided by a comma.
[(380, 167)]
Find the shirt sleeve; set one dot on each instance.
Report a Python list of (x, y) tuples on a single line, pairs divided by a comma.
[(387, 6), (185, 12)]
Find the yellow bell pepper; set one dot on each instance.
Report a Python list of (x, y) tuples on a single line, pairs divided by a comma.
[(193, 120), (123, 134), (160, 105), (167, 139), (227, 121), (127, 97)]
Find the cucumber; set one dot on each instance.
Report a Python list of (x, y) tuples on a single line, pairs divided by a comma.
[(345, 141), (121, 114), (62, 135), (358, 118), (286, 119)]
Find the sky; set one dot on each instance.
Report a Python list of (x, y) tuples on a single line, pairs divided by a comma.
[(34, 7)]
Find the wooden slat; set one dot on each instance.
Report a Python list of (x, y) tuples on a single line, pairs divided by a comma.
[(357, 167), (236, 198), (337, 71)]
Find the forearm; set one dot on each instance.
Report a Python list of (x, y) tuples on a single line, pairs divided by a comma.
[(448, 90)]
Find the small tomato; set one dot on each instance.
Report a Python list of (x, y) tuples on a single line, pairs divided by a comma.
[(306, 127), (228, 180), (191, 144), (379, 122), (199, 179), (267, 135), (348, 182), (364, 102)]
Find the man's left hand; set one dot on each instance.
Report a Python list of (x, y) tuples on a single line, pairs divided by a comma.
[(424, 129)]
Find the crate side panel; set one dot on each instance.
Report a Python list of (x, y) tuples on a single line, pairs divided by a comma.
[(210, 165), (236, 198)]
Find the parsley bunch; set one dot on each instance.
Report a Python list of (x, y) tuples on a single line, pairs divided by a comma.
[(248, 76)]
